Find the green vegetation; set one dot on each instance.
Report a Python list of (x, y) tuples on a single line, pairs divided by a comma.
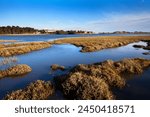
[(16, 30), (72, 32), (28, 30)]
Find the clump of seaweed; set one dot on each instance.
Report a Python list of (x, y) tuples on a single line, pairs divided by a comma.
[(38, 90)]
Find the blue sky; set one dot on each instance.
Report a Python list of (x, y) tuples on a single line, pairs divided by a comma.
[(94, 15)]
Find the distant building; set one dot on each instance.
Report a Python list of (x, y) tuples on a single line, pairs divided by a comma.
[(50, 31)]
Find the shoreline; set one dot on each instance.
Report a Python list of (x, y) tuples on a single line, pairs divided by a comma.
[(41, 34), (106, 34), (88, 44), (21, 34), (97, 43)]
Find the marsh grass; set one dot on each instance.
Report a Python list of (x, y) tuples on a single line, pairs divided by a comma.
[(16, 70), (96, 81), (22, 48), (90, 44), (85, 82), (38, 90), (7, 62), (55, 67)]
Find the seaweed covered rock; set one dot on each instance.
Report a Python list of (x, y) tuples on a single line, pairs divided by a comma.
[(55, 67), (95, 81), (17, 70), (38, 90)]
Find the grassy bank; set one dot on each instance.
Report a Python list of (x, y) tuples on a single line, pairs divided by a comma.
[(21, 48), (4, 41), (90, 44)]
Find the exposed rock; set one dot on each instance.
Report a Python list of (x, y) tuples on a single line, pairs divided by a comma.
[(146, 53), (147, 48), (144, 47), (17, 70), (95, 81), (138, 46), (55, 67), (38, 90)]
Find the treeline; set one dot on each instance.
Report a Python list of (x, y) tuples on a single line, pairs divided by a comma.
[(71, 32), (28, 30), (125, 32), (16, 30)]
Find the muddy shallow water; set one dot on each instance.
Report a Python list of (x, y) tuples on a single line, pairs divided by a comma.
[(68, 55)]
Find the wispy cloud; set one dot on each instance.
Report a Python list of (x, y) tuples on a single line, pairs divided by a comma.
[(113, 22)]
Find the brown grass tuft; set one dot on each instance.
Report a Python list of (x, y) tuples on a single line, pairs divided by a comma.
[(55, 67), (80, 86), (38, 90), (17, 70), (22, 48), (90, 44), (95, 81)]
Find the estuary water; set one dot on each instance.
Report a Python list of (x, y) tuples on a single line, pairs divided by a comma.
[(69, 55), (54, 36)]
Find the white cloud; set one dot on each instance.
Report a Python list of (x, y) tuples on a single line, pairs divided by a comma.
[(114, 22)]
